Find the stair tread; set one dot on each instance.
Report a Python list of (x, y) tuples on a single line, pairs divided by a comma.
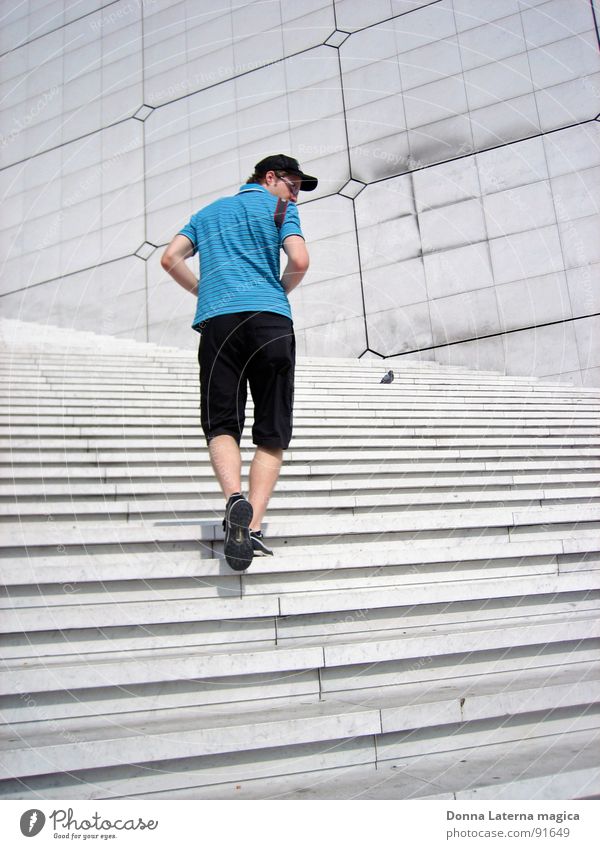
[(192, 724), (51, 566), (531, 770), (308, 650), (30, 533), (67, 506)]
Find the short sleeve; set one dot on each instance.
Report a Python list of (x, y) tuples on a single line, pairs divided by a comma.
[(291, 224), (190, 231)]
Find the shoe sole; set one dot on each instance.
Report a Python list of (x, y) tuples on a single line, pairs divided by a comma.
[(238, 545)]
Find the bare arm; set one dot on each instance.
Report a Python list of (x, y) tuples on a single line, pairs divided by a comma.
[(174, 263), (297, 264)]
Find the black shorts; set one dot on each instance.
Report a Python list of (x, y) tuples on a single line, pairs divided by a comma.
[(248, 347)]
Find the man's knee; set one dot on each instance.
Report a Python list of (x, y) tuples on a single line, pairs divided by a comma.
[(273, 450), (235, 435)]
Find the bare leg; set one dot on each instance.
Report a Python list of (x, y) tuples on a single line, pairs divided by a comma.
[(264, 472), (227, 463)]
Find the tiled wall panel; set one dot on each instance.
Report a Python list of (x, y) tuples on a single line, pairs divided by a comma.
[(455, 142), (190, 46), (451, 78), (110, 299), (343, 338), (534, 301), (76, 79), (398, 284), (400, 329)]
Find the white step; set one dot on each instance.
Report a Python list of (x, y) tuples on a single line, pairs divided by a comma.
[(77, 373), (334, 399), (527, 745), (44, 438), (366, 587), (31, 534), (532, 770), (247, 686), (182, 736), (137, 669), (533, 627), (304, 427), (99, 741), (563, 485), (392, 647), (521, 471), (176, 508), (52, 565), (419, 413), (188, 452)]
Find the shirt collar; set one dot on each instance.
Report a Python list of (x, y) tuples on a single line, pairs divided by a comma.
[(252, 187), (256, 187)]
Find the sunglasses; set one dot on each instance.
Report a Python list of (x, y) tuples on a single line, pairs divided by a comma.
[(294, 189)]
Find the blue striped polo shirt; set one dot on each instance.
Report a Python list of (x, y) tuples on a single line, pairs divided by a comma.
[(239, 243)]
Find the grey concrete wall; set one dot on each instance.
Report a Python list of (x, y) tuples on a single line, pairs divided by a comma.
[(456, 143)]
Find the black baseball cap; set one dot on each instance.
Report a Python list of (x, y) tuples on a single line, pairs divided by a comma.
[(282, 162)]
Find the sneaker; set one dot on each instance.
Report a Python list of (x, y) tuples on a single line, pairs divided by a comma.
[(238, 547), (258, 543)]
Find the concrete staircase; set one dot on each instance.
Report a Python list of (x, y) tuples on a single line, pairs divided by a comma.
[(428, 627)]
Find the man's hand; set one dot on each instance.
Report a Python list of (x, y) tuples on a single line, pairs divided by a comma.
[(297, 264), (174, 263)]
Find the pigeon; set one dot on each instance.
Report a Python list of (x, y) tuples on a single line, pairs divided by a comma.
[(388, 377)]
